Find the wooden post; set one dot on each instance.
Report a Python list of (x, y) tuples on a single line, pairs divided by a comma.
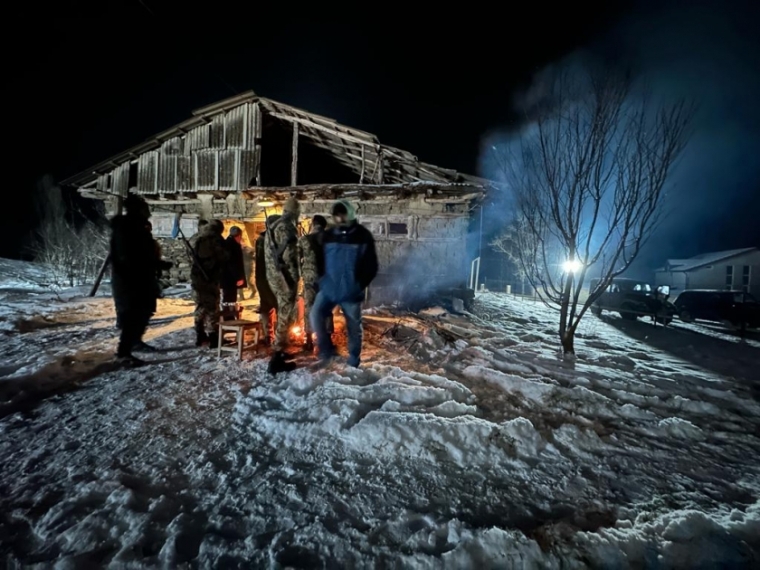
[(380, 174), (256, 130), (361, 176), (294, 154), (107, 260)]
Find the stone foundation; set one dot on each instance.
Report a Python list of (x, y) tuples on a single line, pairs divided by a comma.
[(174, 250)]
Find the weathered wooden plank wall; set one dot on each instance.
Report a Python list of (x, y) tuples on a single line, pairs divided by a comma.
[(120, 180), (147, 173), (221, 155)]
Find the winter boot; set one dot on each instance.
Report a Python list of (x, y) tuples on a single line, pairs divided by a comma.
[(200, 335), (129, 361), (213, 340), (141, 346), (279, 363)]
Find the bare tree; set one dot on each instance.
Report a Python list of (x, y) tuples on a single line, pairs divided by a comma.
[(71, 254), (510, 244), (587, 177)]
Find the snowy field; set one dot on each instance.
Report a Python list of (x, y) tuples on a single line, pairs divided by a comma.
[(463, 442)]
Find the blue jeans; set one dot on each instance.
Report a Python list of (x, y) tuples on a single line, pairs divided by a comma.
[(320, 312)]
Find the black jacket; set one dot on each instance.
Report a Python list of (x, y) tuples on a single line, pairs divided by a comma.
[(134, 263), (234, 268)]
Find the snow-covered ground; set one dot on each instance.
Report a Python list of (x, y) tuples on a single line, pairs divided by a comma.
[(461, 442)]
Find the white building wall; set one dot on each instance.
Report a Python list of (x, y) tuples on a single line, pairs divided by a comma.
[(718, 276), (676, 281)]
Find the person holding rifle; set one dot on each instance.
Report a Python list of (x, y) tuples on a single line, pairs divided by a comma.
[(267, 299), (282, 271), (210, 257)]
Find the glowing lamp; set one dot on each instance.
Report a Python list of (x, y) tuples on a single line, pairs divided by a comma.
[(571, 266)]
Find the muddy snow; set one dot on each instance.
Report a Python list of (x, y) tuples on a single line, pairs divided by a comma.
[(462, 441)]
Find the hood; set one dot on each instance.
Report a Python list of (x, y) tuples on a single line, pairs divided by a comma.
[(213, 227), (291, 207), (137, 207), (351, 216), (271, 220)]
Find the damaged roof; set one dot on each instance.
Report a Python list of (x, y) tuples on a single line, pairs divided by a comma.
[(358, 150)]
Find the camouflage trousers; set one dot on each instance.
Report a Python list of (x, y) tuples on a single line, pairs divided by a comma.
[(286, 316), (207, 309), (309, 294)]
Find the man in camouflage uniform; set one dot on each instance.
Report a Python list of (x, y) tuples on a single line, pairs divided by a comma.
[(205, 278), (281, 255), (267, 300), (311, 257)]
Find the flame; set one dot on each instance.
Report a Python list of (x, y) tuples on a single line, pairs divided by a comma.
[(296, 330)]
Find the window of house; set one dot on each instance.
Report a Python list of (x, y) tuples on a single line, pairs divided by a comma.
[(746, 277), (729, 276), (397, 229)]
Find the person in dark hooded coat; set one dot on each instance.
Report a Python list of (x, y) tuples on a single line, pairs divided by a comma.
[(233, 272), (161, 265), (134, 264)]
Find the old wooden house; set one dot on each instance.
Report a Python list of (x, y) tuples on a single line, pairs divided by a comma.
[(239, 159)]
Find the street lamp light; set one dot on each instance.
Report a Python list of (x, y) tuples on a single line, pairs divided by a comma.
[(572, 266)]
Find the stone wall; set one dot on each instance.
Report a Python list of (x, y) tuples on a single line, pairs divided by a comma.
[(174, 250), (421, 250)]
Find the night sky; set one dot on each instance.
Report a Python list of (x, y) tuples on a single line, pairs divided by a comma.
[(90, 88)]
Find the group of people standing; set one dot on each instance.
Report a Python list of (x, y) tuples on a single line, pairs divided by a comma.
[(335, 263)]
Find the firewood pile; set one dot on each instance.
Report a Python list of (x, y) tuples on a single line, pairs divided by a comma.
[(420, 334)]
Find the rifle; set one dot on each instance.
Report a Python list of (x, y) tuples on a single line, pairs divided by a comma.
[(193, 254)]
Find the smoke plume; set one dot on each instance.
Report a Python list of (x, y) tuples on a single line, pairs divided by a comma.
[(708, 52)]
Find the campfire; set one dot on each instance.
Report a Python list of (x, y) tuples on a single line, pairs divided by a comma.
[(298, 334)]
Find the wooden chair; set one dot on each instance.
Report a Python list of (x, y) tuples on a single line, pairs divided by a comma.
[(239, 328)]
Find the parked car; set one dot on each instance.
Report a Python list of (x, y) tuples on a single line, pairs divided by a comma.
[(632, 298), (734, 307)]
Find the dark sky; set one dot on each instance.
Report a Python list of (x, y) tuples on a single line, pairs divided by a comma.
[(93, 86)]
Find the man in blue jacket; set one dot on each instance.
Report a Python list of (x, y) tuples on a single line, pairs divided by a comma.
[(350, 265)]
